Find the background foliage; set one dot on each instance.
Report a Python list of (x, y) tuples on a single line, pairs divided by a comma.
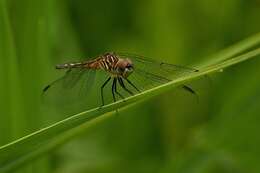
[(170, 133)]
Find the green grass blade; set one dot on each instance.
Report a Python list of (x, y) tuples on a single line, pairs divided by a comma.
[(233, 50), (25, 149), (11, 106)]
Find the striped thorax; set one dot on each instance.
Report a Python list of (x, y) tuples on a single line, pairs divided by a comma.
[(116, 66)]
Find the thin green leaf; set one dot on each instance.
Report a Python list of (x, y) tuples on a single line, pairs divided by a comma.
[(233, 50), (10, 79), (25, 149)]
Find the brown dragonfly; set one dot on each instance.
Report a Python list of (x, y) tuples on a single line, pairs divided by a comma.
[(131, 73)]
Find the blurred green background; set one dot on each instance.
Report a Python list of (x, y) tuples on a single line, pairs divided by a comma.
[(169, 133)]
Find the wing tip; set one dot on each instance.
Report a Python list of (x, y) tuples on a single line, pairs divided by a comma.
[(46, 88)]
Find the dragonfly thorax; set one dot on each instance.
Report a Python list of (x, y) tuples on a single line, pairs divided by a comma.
[(124, 67)]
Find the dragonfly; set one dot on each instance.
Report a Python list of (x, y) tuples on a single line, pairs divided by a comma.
[(128, 74)]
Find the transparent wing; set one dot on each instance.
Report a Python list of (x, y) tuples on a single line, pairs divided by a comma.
[(79, 87), (150, 73), (71, 88)]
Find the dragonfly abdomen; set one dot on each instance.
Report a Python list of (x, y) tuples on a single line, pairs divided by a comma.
[(70, 65), (107, 62)]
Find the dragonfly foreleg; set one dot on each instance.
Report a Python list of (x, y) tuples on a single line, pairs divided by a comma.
[(121, 82), (102, 87), (132, 85)]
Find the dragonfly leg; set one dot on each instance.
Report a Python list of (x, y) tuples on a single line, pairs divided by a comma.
[(102, 87), (113, 89), (113, 92), (132, 85), (120, 95), (121, 82)]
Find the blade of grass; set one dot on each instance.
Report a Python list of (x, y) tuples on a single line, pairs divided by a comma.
[(18, 152), (12, 106), (4, 47), (233, 50)]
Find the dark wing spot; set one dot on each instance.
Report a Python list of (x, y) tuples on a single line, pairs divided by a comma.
[(189, 89), (46, 88)]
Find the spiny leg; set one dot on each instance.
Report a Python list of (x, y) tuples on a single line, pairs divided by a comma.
[(113, 89), (102, 87), (121, 82), (132, 85), (120, 95)]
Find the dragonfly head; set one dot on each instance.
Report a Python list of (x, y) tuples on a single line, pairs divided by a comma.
[(125, 67)]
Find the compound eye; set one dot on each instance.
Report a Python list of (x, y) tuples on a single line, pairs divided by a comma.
[(129, 66)]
